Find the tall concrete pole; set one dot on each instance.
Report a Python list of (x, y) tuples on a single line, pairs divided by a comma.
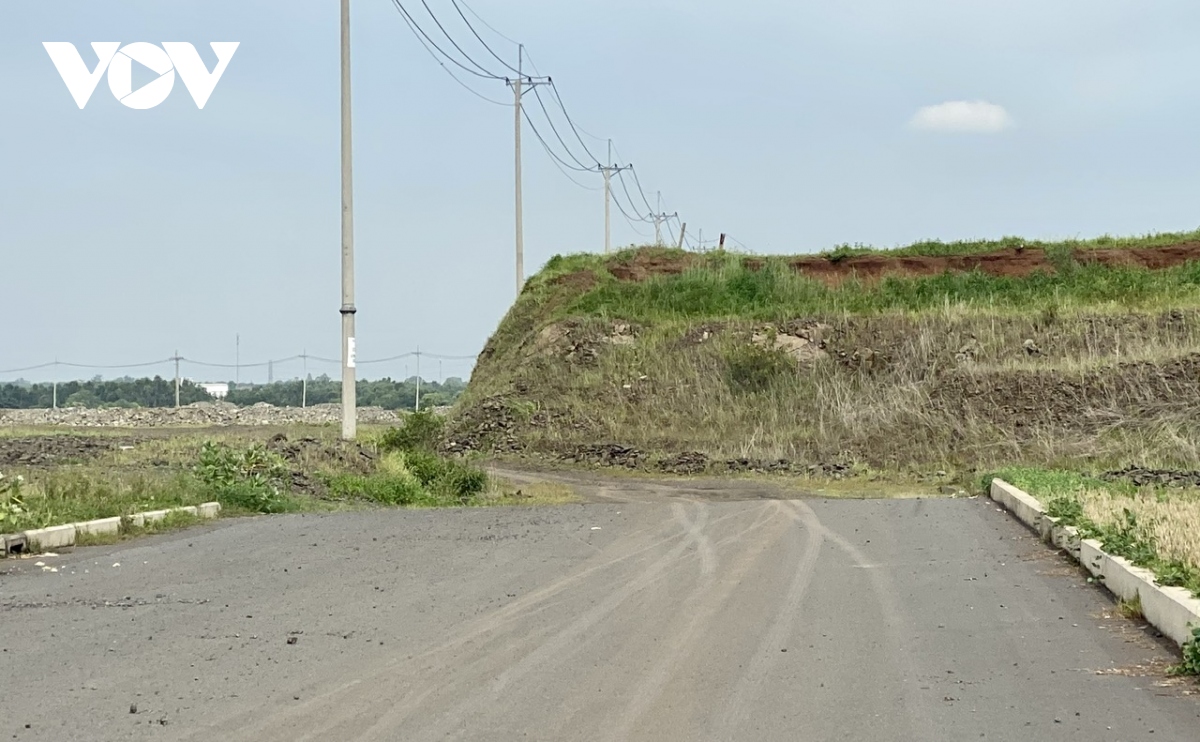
[(349, 397), (608, 199), (517, 129)]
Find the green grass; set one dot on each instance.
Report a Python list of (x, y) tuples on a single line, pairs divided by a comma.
[(975, 247), (776, 292)]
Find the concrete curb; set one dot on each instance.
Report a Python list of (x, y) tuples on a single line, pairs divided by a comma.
[(1171, 610), (57, 537)]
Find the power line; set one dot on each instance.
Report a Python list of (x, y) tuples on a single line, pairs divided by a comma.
[(574, 128), (550, 151), (481, 41), (446, 33), (632, 204), (416, 27), (449, 71), (490, 26), (640, 190), (553, 128)]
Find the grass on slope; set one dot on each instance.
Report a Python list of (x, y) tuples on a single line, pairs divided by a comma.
[(975, 247), (723, 286)]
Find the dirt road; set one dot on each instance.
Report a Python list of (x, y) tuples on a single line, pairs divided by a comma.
[(694, 612)]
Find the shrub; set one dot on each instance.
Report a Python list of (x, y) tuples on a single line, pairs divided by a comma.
[(751, 368), (1191, 656), (420, 432), (12, 505), (252, 479)]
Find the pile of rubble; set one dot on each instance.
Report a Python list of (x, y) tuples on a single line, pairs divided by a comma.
[(200, 414)]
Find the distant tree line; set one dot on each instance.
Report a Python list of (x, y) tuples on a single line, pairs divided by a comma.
[(159, 392), (386, 393)]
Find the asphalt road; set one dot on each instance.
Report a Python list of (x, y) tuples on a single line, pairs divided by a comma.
[(687, 613)]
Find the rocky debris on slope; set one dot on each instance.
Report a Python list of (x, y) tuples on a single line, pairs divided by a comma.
[(49, 450), (489, 426), (309, 452), (1142, 477), (582, 342), (1021, 401), (605, 454), (688, 462), (202, 414)]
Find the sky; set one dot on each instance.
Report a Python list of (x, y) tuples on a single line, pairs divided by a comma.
[(793, 126)]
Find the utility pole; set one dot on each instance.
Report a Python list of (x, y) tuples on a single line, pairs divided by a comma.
[(608, 171), (661, 218), (682, 232), (270, 372), (304, 383), (519, 86), (418, 404), (237, 363), (176, 359), (349, 396)]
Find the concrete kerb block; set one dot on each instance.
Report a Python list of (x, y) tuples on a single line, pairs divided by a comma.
[(1021, 504), (209, 510), (1171, 610), (12, 543), (190, 510), (153, 516), (54, 537), (103, 526)]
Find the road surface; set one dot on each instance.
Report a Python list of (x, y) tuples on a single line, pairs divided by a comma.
[(654, 612)]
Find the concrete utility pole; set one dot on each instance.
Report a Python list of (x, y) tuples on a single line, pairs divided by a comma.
[(176, 359), (417, 406), (349, 396), (682, 232), (519, 86), (661, 218), (608, 171)]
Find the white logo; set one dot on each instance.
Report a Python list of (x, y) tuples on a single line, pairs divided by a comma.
[(165, 61)]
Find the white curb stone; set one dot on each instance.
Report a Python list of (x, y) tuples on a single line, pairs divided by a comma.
[(1171, 610), (104, 526), (54, 537)]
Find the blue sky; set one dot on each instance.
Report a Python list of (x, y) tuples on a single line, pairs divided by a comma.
[(127, 234)]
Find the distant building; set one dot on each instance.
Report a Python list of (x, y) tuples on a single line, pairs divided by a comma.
[(218, 390)]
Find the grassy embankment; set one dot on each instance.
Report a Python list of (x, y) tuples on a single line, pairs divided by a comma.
[(926, 372), (247, 471)]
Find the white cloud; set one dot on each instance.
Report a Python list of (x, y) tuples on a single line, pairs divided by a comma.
[(978, 117)]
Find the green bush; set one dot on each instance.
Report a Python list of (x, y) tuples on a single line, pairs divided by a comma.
[(252, 479), (387, 489), (420, 432), (1191, 656), (750, 368)]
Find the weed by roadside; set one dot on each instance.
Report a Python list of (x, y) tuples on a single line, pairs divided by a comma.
[(1191, 656), (1157, 528)]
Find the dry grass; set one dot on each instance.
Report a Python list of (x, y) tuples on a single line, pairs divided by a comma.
[(917, 406), (1171, 519)]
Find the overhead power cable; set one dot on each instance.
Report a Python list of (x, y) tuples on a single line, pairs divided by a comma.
[(489, 26), (480, 38), (574, 128), (564, 163), (450, 38), (449, 71), (537, 94), (421, 32), (632, 203)]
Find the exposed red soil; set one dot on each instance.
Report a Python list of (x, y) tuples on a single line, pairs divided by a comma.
[(1011, 262), (652, 262)]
